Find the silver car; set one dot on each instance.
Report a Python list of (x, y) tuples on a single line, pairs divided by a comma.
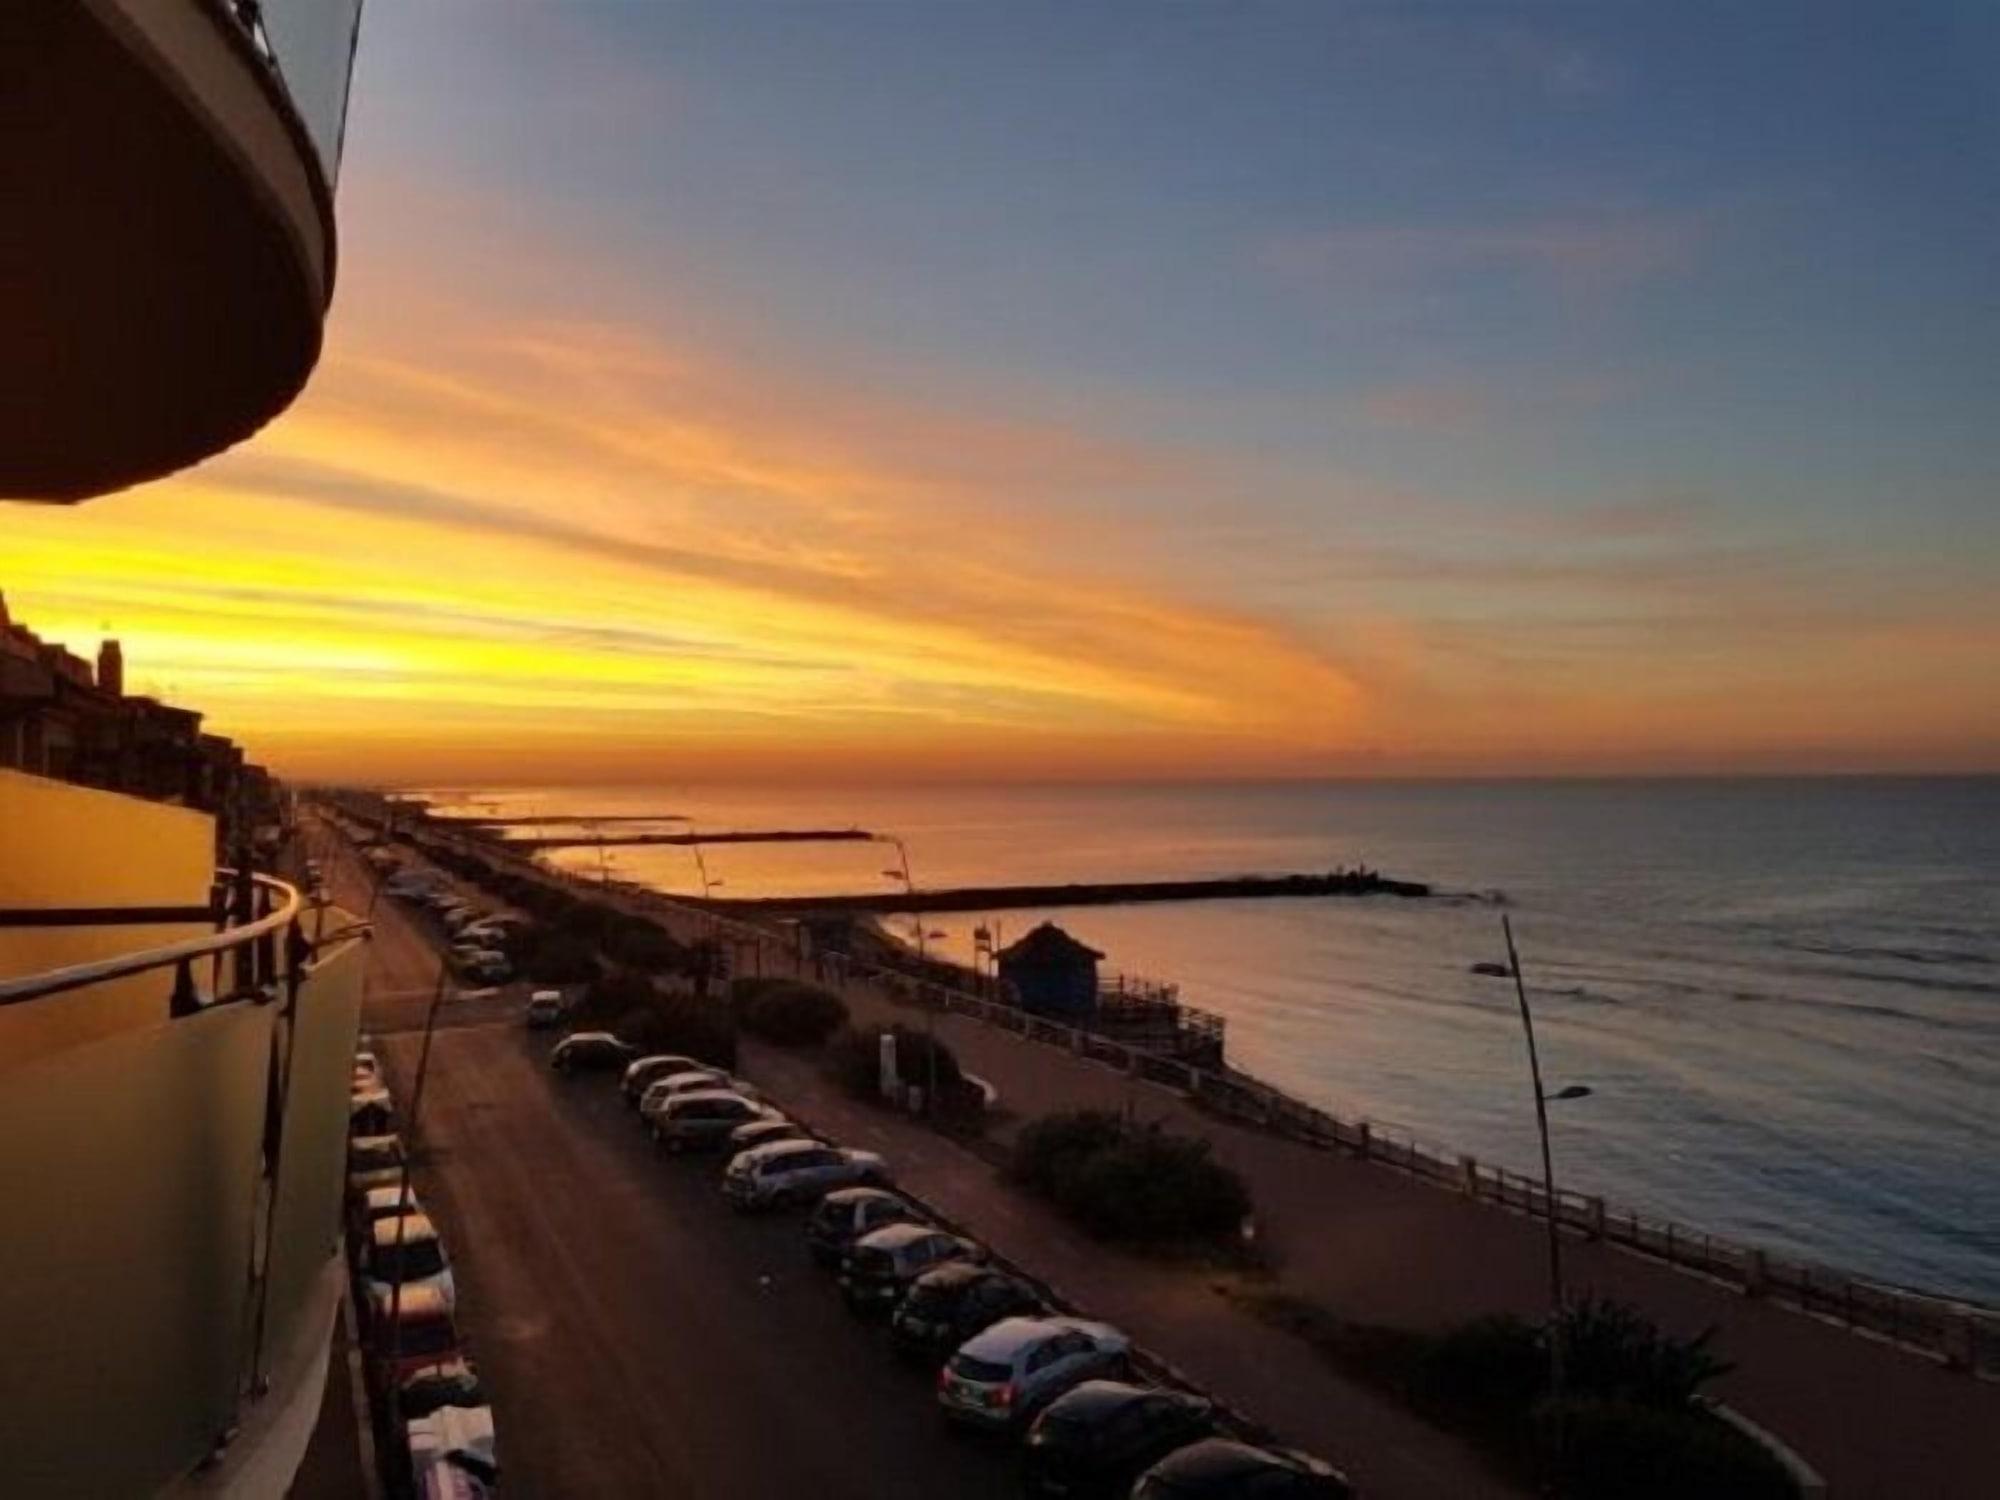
[(879, 1267), (654, 1066), (700, 1121), (1002, 1377), (694, 1081), (788, 1172)]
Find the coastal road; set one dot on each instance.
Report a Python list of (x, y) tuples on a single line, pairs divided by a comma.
[(637, 1337)]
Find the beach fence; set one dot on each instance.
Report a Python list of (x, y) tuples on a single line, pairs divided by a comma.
[(1960, 1335)]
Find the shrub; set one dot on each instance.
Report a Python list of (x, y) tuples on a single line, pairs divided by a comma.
[(787, 1012), (1614, 1352), (1047, 1150), (643, 944), (1621, 1450), (1491, 1364), (1143, 1186), (560, 958)]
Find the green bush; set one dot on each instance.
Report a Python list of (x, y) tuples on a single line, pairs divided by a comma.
[(787, 1012), (1621, 1450), (1139, 1186)]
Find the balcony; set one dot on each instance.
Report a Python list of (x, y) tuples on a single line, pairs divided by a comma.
[(172, 1174), (168, 171)]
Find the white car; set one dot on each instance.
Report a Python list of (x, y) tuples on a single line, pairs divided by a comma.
[(420, 1260), (787, 1172), (1002, 1377), (693, 1081), (545, 1008), (651, 1068)]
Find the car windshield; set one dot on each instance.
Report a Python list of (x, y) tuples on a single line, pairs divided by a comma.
[(871, 1260), (929, 1298), (419, 1258), (965, 1367), (426, 1336)]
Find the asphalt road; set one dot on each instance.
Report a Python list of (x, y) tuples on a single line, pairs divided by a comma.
[(637, 1337)]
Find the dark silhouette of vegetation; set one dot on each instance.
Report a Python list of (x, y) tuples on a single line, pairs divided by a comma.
[(559, 958), (1631, 1423), (855, 1056), (1137, 1185), (787, 1012)]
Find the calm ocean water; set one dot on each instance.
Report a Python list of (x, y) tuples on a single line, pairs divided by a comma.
[(1785, 994)]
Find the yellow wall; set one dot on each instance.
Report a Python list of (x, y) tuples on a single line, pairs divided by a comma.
[(63, 845)]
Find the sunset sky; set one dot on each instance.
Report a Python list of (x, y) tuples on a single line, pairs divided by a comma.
[(857, 387)]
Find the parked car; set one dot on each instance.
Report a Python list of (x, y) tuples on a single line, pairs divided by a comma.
[(421, 1335), (674, 1085), (765, 1132), (946, 1306), (652, 1067), (451, 1452), (589, 1052), (1000, 1378), (545, 1008), (783, 1173), (847, 1214), (370, 1110), (449, 1382), (879, 1268), (1093, 1441), (374, 1161), (406, 1249), (690, 1080), (700, 1121), (1217, 1469), (390, 1200), (457, 1440)]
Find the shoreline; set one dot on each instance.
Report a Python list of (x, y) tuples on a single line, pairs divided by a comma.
[(1247, 1099)]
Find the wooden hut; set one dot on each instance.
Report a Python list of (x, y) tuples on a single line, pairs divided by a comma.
[(1052, 973)]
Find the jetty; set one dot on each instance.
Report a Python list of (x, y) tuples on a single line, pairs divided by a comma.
[(1117, 893), (739, 836), (525, 820)]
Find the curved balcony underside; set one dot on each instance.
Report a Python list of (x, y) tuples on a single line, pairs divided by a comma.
[(169, 251)]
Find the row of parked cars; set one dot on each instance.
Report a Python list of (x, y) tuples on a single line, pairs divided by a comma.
[(429, 1409), (1006, 1362), (477, 936)]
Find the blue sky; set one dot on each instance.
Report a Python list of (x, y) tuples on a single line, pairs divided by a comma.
[(1629, 369)]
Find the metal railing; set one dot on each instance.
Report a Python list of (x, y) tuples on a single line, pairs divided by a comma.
[(250, 912), (1960, 1334)]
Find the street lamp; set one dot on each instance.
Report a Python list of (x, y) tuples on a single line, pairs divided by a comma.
[(1557, 1301), (909, 885)]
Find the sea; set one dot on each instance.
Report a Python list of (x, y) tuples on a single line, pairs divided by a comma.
[(1782, 994)]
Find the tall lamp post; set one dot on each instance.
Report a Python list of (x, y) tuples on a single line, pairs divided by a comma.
[(1557, 1302)]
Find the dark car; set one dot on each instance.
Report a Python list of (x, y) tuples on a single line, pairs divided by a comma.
[(589, 1052), (880, 1266), (947, 1306), (1216, 1469), (1096, 1439), (846, 1214)]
